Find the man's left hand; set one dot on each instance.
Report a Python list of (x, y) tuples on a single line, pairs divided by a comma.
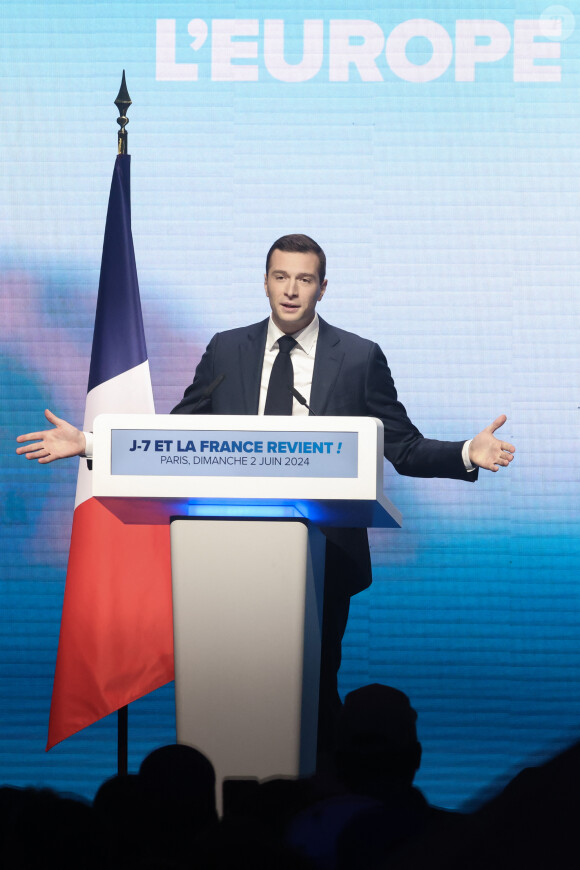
[(487, 451)]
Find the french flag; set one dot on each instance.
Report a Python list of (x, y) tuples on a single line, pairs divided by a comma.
[(116, 634)]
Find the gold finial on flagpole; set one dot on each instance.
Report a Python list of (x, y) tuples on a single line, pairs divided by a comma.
[(122, 102)]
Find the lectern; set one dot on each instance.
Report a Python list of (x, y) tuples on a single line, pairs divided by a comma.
[(245, 497)]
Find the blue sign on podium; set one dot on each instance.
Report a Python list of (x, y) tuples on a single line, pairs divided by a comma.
[(247, 453)]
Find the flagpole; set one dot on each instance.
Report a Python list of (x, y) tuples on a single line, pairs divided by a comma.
[(123, 741), (122, 103)]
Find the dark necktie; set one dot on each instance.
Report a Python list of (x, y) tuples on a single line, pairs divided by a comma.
[(279, 397)]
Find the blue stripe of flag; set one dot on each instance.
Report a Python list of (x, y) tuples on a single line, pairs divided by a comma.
[(118, 338)]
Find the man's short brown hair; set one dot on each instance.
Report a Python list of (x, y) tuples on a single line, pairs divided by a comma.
[(300, 244)]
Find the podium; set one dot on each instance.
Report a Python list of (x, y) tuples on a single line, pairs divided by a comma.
[(245, 497)]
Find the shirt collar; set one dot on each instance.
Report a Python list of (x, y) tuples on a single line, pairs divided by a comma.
[(305, 338)]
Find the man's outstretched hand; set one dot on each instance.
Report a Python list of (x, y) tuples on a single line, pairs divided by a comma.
[(64, 440), (487, 451)]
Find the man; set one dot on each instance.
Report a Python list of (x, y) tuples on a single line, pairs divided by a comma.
[(339, 374)]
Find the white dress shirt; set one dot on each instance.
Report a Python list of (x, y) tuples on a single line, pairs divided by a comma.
[(302, 356)]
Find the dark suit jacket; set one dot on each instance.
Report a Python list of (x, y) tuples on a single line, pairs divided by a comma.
[(351, 378)]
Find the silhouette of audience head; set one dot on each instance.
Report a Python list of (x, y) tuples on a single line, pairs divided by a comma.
[(377, 737), (177, 786), (182, 775), (39, 824)]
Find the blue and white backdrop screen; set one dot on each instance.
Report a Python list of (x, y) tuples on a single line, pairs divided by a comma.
[(431, 148)]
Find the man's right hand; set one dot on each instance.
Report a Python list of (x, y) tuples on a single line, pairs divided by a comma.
[(62, 441)]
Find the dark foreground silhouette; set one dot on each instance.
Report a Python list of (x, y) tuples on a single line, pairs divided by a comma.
[(363, 812)]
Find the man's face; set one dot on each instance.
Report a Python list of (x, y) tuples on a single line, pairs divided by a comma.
[(293, 287)]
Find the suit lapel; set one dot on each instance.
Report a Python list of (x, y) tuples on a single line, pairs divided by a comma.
[(327, 363), (250, 361)]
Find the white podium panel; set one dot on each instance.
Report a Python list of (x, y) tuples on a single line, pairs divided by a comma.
[(247, 600)]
